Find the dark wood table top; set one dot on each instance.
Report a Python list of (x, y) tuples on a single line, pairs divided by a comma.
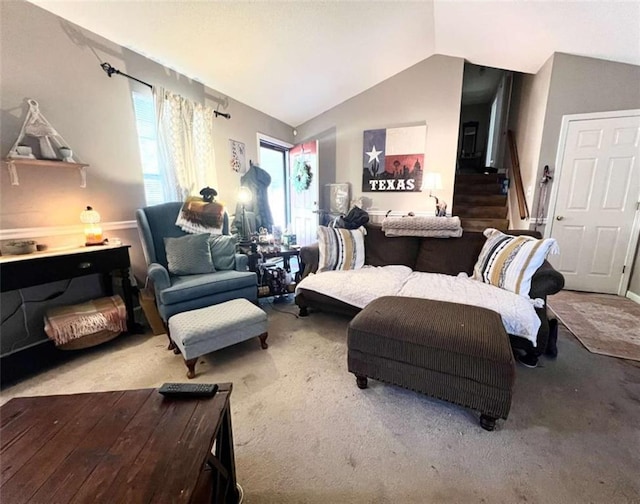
[(132, 446)]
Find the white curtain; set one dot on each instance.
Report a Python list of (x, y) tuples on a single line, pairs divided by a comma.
[(185, 144)]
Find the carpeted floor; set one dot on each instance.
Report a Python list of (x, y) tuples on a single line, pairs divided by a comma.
[(605, 324), (305, 434)]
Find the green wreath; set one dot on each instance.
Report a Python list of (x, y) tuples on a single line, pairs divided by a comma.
[(302, 175)]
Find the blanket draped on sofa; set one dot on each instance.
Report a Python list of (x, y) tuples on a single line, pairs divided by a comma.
[(359, 287)]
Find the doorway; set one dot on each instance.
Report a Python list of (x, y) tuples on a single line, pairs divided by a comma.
[(594, 212), (274, 160)]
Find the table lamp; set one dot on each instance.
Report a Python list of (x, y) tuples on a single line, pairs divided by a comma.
[(92, 230), (434, 181), (244, 197)]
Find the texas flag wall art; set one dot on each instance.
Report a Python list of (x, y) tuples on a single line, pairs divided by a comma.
[(393, 159)]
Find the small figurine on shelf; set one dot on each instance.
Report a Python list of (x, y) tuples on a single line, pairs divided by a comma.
[(67, 154)]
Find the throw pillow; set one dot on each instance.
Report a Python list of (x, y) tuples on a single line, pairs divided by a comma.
[(509, 262), (189, 255), (223, 252), (340, 249)]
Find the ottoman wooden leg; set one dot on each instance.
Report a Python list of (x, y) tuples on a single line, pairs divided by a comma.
[(191, 364), (172, 345), (487, 422), (361, 381), (263, 340), (303, 312)]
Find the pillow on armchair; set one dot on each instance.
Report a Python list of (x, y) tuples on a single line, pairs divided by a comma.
[(189, 255), (223, 250)]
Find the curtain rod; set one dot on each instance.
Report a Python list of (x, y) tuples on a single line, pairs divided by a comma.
[(109, 70)]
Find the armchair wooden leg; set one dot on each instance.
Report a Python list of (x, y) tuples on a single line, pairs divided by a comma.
[(172, 345), (191, 365), (263, 340)]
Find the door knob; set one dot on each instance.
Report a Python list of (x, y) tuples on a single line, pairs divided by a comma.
[(559, 217)]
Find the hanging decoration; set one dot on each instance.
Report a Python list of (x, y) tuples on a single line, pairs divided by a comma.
[(302, 174)]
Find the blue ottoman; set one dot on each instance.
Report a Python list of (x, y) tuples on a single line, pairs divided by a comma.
[(199, 332)]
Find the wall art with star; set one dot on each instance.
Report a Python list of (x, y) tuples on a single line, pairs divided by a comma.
[(393, 159)]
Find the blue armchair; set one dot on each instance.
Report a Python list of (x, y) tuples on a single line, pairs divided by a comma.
[(176, 294)]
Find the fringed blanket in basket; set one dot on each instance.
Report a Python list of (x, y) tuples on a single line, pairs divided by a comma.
[(433, 227), (197, 216), (67, 323)]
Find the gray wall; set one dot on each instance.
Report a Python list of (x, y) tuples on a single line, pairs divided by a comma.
[(530, 96), (634, 284), (428, 91), (57, 63), (566, 84), (581, 85)]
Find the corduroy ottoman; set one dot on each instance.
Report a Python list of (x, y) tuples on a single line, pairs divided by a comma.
[(454, 352), (199, 332)]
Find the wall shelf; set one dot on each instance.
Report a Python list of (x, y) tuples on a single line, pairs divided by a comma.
[(13, 163)]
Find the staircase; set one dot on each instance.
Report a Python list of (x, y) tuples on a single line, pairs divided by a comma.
[(479, 202)]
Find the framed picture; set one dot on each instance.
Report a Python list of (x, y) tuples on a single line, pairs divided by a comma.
[(238, 157), (393, 159)]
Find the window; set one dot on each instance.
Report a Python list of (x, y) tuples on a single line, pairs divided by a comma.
[(147, 140), (274, 159)]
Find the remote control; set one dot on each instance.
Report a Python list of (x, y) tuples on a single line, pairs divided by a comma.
[(187, 390)]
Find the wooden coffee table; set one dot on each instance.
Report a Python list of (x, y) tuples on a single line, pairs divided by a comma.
[(132, 446)]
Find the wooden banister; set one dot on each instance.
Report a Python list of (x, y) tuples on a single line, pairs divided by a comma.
[(517, 177)]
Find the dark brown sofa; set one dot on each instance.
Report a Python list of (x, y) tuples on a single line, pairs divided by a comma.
[(431, 255)]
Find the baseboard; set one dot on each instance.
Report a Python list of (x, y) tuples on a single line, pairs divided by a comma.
[(35, 232), (633, 296)]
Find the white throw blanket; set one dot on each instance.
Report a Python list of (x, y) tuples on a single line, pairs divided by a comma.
[(434, 227), (359, 287)]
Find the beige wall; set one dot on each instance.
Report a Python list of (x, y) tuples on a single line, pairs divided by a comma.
[(428, 91), (531, 94), (48, 59)]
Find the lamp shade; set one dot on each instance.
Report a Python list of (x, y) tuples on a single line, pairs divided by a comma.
[(92, 230), (244, 195), (432, 181)]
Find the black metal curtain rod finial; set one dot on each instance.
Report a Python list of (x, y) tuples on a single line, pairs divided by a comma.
[(109, 70)]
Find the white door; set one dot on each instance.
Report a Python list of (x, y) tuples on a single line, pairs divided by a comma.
[(596, 201), (303, 202)]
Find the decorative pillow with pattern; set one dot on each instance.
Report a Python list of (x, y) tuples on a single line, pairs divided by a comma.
[(189, 255), (340, 249), (509, 262)]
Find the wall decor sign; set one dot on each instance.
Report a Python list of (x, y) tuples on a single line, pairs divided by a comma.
[(238, 157), (393, 159)]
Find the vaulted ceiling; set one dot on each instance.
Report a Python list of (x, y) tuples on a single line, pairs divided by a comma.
[(294, 60)]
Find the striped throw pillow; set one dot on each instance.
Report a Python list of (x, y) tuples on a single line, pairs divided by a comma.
[(340, 249), (509, 262)]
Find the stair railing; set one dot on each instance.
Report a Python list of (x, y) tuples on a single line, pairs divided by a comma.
[(517, 177)]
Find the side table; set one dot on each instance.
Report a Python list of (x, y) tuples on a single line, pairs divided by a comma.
[(264, 254)]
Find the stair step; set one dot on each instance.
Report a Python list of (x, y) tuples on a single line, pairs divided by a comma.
[(490, 212), (480, 199), (472, 188), (478, 178), (481, 224)]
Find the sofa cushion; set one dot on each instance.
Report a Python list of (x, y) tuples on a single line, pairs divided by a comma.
[(340, 249), (381, 250), (188, 287), (223, 252), (449, 256), (509, 262), (189, 255)]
